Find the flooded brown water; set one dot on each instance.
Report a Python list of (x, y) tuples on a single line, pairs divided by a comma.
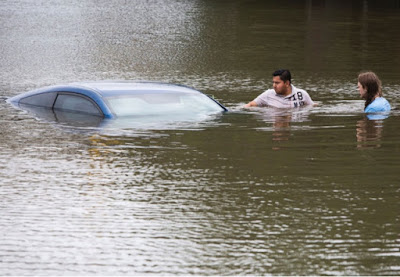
[(251, 192)]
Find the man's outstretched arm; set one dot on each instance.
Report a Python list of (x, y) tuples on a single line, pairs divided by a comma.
[(251, 104)]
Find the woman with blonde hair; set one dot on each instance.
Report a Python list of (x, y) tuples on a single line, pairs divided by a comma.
[(370, 88)]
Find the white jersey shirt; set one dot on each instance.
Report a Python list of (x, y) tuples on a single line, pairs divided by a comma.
[(298, 98)]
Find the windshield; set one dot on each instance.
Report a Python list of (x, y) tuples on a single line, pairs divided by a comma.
[(163, 103)]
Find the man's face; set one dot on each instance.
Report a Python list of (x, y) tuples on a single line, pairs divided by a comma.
[(279, 86)]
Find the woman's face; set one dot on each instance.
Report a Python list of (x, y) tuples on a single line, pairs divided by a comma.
[(363, 91)]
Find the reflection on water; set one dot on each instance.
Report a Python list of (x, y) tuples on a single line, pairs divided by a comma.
[(281, 121), (281, 128), (213, 197), (369, 133), (63, 117), (85, 123), (215, 200)]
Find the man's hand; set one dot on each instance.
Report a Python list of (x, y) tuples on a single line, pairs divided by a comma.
[(251, 104)]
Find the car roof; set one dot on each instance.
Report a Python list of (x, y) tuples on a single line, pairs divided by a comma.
[(114, 88), (96, 89)]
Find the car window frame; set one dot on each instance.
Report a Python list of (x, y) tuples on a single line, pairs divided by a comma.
[(101, 113), (22, 101)]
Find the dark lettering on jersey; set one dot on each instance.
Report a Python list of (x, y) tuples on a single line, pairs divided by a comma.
[(300, 98), (299, 95)]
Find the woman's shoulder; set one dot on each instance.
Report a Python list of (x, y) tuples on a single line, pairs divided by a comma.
[(380, 104)]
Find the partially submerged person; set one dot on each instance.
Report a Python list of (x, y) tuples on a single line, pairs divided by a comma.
[(283, 94), (370, 88)]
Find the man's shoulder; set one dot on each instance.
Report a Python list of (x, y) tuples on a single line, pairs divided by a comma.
[(296, 89), (268, 92), (271, 90)]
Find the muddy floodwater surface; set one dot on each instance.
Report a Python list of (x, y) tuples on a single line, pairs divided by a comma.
[(312, 191)]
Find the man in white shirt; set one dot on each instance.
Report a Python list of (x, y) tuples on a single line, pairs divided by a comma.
[(283, 94)]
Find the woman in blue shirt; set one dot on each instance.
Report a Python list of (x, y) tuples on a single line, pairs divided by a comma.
[(370, 88)]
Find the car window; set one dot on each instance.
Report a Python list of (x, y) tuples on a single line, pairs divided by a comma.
[(77, 103), (163, 103), (41, 100)]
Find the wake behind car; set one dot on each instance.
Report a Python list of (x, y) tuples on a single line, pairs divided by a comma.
[(110, 99)]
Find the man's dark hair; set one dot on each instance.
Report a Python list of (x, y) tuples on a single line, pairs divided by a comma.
[(284, 74)]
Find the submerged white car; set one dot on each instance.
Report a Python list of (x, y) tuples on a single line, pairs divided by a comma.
[(119, 99)]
